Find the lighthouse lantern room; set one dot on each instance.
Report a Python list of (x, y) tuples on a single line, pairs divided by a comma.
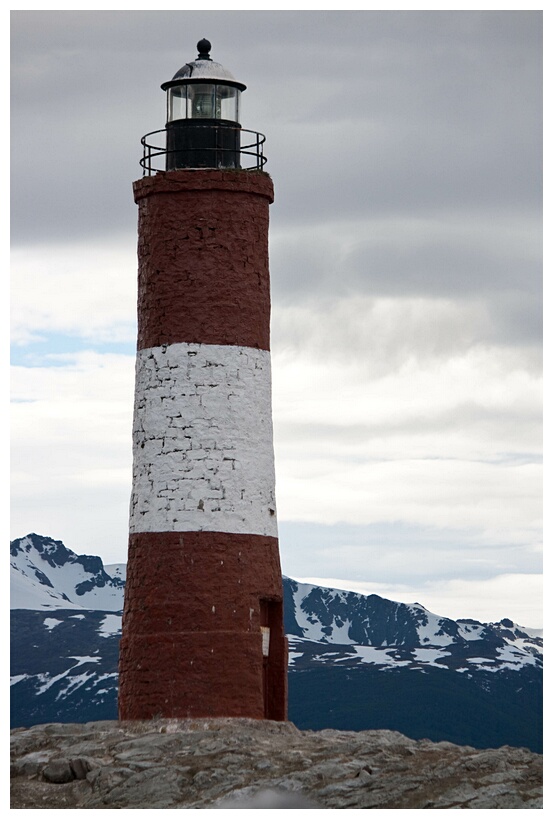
[(203, 115)]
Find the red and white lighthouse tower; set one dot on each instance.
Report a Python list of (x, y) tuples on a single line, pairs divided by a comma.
[(203, 627)]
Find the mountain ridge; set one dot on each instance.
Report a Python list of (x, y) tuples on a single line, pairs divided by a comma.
[(346, 652)]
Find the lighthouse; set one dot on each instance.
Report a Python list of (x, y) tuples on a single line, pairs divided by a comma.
[(203, 628)]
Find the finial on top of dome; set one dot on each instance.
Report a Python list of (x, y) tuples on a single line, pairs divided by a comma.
[(204, 47)]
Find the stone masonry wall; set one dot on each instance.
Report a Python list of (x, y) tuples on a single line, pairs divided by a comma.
[(204, 580), (203, 441)]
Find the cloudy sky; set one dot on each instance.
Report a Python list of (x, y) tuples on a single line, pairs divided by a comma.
[(405, 148)]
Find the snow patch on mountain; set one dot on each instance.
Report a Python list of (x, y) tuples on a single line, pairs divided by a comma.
[(470, 629), (118, 570), (111, 624), (378, 656), (28, 593), (431, 656), (82, 660), (431, 629), (51, 622)]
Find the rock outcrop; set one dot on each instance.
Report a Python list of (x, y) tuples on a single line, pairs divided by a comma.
[(241, 763)]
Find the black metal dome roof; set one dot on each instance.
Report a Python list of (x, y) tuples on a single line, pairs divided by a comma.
[(203, 69)]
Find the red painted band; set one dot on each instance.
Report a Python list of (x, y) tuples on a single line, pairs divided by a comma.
[(203, 273), (191, 646), (176, 578)]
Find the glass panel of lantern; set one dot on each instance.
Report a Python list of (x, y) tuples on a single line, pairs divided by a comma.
[(203, 101), (177, 103), (229, 105)]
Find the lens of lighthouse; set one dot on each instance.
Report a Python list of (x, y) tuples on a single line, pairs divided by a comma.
[(205, 104)]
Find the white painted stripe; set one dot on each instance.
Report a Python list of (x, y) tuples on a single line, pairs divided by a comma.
[(203, 441)]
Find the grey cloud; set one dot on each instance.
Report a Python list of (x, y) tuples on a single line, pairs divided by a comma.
[(474, 286), (387, 553), (448, 256), (519, 320), (443, 262), (478, 422), (365, 112)]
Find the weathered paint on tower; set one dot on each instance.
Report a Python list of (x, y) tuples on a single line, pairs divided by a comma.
[(203, 626)]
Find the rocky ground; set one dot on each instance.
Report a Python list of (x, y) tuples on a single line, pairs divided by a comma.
[(241, 763)]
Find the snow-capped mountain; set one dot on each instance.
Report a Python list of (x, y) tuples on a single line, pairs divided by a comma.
[(45, 575), (66, 626), (369, 629), (355, 661)]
